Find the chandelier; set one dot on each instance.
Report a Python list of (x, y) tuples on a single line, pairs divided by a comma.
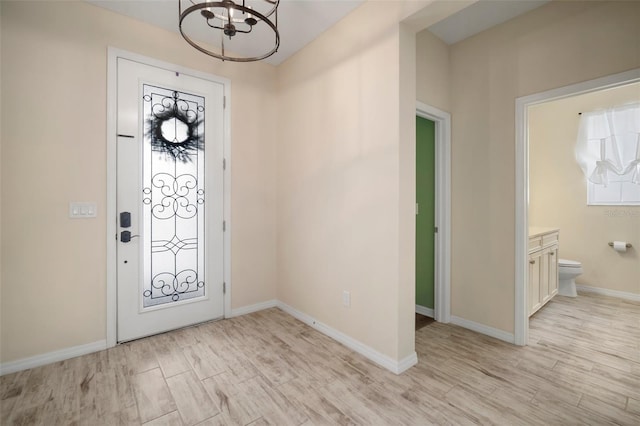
[(238, 31)]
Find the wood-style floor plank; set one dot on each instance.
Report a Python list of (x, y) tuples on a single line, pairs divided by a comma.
[(581, 367), (194, 404), (152, 395), (171, 419), (204, 362)]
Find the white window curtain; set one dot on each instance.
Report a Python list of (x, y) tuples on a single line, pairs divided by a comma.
[(608, 146)]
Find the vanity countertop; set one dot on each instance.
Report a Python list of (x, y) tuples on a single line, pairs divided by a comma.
[(536, 231)]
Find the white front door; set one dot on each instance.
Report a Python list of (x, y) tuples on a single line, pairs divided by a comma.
[(170, 200)]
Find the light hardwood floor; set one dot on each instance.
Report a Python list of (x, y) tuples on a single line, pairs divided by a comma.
[(582, 367)]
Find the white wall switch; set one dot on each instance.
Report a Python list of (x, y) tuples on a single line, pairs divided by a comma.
[(82, 209)]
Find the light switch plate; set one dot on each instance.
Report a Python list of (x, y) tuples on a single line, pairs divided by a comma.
[(79, 209)]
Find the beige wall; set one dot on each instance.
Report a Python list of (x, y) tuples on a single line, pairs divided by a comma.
[(433, 71), (558, 44), (405, 306), (349, 105), (558, 193), (0, 174), (54, 151), (338, 178)]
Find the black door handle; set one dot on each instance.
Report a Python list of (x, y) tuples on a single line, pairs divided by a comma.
[(125, 236)]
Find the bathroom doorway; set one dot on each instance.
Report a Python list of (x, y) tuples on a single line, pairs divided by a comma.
[(524, 196)]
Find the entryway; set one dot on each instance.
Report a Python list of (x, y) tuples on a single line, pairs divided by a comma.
[(168, 171)]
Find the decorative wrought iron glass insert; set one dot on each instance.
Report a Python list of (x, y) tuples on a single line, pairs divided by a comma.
[(173, 196)]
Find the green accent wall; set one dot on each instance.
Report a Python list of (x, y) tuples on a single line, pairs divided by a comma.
[(425, 219)]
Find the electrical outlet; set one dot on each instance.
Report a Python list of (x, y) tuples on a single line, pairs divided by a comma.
[(346, 299)]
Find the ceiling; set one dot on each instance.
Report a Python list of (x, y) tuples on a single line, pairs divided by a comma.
[(481, 16), (301, 21)]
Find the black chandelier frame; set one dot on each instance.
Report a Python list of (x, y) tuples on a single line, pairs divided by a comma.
[(229, 29)]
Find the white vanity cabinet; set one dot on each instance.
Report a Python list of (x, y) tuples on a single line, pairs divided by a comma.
[(543, 266)]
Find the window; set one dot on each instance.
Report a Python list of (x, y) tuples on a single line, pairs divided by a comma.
[(608, 151)]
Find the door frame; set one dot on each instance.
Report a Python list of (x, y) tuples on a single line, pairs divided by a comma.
[(521, 320), (442, 263), (111, 207)]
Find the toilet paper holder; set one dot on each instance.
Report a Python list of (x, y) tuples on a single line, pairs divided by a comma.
[(628, 245)]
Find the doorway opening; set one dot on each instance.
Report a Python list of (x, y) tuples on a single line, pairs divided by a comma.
[(425, 220), (523, 105), (441, 234)]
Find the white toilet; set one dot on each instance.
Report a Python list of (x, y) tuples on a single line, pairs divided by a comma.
[(568, 271)]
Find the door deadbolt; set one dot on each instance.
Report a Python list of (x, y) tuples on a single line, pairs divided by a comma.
[(125, 219)]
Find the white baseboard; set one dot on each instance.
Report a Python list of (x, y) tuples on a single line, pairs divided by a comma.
[(406, 363), (483, 329), (381, 359), (423, 310), (50, 357), (612, 293), (253, 308)]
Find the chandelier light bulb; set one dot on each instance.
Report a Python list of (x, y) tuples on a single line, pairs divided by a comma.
[(250, 20)]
